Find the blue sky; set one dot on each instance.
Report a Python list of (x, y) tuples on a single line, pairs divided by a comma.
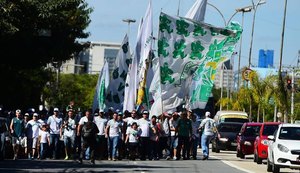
[(107, 25)]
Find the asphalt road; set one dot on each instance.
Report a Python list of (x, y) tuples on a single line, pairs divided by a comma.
[(247, 164), (209, 166)]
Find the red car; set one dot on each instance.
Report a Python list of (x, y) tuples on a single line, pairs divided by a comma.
[(261, 141), (245, 139)]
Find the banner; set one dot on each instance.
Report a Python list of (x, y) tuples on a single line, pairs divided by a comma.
[(101, 88), (115, 94), (188, 48)]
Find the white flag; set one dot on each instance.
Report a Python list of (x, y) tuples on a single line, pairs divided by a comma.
[(187, 48), (146, 46), (131, 79), (101, 88), (197, 11), (155, 89), (115, 94)]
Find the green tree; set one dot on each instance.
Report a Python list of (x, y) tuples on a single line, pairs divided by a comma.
[(34, 33), (80, 88)]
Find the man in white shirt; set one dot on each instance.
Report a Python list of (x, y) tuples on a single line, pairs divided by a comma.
[(101, 141), (32, 128), (55, 123), (144, 127), (68, 132), (112, 131), (209, 127)]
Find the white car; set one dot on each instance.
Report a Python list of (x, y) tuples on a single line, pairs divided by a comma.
[(284, 148)]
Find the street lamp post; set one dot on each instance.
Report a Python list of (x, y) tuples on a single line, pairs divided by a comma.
[(129, 21), (253, 22)]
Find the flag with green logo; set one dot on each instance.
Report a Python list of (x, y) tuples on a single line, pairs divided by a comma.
[(101, 88), (115, 94), (190, 51)]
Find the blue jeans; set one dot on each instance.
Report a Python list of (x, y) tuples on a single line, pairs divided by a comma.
[(205, 140), (113, 144), (54, 144), (44, 147)]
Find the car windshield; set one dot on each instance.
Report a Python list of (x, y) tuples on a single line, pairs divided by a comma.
[(289, 133), (251, 130), (269, 130), (230, 127)]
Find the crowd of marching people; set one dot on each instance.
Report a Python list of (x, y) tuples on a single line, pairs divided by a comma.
[(111, 135)]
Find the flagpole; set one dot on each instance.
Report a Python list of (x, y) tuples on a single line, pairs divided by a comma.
[(178, 9)]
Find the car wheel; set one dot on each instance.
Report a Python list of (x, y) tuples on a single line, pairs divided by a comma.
[(240, 154), (276, 168), (255, 157), (258, 160), (269, 166), (213, 147)]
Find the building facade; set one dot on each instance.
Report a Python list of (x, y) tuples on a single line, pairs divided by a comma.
[(91, 60)]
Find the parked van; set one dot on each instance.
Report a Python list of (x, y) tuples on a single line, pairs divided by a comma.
[(231, 116)]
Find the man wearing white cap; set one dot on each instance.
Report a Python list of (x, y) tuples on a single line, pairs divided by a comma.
[(209, 129), (32, 129), (55, 123), (144, 126)]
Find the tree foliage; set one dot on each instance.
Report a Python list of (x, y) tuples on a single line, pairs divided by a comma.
[(41, 31), (79, 88), (34, 33)]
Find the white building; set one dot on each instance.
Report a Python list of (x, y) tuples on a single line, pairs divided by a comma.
[(91, 60)]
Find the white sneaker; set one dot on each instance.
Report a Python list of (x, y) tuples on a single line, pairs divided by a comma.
[(174, 158)]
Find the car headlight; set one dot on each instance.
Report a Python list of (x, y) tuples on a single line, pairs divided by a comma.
[(282, 148), (247, 143), (223, 139), (264, 142)]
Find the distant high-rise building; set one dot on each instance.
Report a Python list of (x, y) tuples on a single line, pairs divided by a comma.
[(266, 58)]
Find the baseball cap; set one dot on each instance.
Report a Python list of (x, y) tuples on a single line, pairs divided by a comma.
[(145, 112), (56, 110), (18, 111), (26, 114), (207, 114), (101, 110), (111, 108), (120, 113), (35, 115)]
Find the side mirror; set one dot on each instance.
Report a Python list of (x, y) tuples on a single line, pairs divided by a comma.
[(271, 138)]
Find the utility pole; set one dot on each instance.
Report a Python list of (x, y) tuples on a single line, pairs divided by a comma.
[(292, 95), (129, 21)]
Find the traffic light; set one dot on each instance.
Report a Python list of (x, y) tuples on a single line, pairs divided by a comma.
[(289, 84)]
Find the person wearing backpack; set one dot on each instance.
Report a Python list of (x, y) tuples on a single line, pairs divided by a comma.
[(209, 129), (89, 132)]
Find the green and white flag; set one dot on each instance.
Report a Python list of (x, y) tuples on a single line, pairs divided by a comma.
[(188, 48), (115, 94), (101, 88)]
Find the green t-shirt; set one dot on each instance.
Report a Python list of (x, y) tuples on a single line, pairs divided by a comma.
[(184, 127), (18, 127)]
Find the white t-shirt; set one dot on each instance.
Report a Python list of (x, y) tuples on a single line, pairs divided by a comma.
[(44, 136), (70, 131), (83, 120), (144, 126), (130, 120), (114, 128), (33, 129), (101, 124), (209, 125), (132, 135), (55, 124)]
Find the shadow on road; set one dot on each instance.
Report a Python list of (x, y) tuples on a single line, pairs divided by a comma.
[(19, 166)]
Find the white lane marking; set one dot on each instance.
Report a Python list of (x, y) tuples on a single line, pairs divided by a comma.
[(232, 165)]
